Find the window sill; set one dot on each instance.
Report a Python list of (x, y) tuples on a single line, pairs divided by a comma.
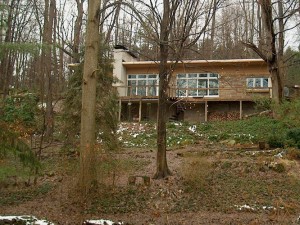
[(257, 90)]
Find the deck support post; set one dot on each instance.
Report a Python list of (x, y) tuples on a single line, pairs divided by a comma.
[(140, 111), (241, 110), (120, 109), (205, 110)]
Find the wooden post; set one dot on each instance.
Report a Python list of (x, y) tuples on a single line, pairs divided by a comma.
[(205, 110), (129, 112), (140, 111), (120, 109), (241, 110)]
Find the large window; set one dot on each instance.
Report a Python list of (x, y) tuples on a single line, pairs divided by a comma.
[(197, 84), (257, 82), (143, 85)]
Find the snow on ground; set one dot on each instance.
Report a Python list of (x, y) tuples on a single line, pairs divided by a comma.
[(30, 220), (255, 207), (101, 222)]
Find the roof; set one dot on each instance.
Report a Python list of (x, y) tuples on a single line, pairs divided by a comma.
[(139, 64)]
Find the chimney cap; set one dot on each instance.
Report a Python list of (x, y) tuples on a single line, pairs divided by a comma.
[(122, 47)]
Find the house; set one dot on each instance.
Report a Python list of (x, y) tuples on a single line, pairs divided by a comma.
[(200, 90)]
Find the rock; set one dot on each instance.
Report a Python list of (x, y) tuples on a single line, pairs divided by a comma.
[(231, 142)]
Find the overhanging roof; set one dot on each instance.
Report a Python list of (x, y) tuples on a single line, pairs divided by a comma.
[(186, 63)]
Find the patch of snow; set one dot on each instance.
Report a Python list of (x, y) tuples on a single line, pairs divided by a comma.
[(28, 219), (279, 155), (255, 207), (193, 128), (243, 207), (135, 135), (102, 222)]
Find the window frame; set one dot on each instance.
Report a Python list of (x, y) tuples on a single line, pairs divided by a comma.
[(257, 80), (142, 90), (204, 82)]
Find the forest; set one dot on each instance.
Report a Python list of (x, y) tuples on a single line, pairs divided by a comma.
[(66, 157)]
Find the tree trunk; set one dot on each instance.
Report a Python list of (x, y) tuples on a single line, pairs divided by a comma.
[(162, 169), (77, 31), (47, 63), (87, 176)]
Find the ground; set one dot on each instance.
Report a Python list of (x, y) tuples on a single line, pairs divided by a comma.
[(211, 183)]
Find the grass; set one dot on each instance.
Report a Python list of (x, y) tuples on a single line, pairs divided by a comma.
[(119, 200), (220, 184), (24, 194), (251, 130)]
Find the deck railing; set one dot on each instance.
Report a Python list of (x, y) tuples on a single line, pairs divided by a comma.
[(152, 91)]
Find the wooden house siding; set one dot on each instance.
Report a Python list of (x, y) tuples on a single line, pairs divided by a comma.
[(233, 98)]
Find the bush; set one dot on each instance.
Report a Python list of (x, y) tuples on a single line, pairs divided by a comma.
[(293, 154), (294, 136), (276, 141), (197, 173), (289, 112), (263, 103)]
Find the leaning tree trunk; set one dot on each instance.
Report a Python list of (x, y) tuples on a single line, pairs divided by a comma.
[(162, 169), (87, 176), (277, 84)]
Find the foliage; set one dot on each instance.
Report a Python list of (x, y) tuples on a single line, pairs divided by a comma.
[(106, 106), (17, 120), (31, 48), (275, 141), (293, 154), (251, 130), (11, 142), (24, 194), (294, 136), (196, 173), (288, 112), (293, 69), (233, 180), (20, 108), (263, 103)]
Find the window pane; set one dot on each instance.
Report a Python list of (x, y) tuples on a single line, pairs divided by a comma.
[(213, 83), (250, 83), (153, 76), (265, 82), (141, 87), (192, 75), (214, 92), (203, 75), (202, 84), (131, 76), (258, 82), (181, 85), (181, 75), (142, 76), (152, 88), (192, 85), (214, 75)]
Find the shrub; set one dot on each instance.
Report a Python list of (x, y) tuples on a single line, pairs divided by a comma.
[(294, 136), (293, 154), (263, 103), (289, 112), (196, 173), (20, 108), (276, 141)]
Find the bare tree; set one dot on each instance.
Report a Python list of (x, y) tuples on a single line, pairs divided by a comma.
[(172, 27), (275, 16), (87, 176)]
